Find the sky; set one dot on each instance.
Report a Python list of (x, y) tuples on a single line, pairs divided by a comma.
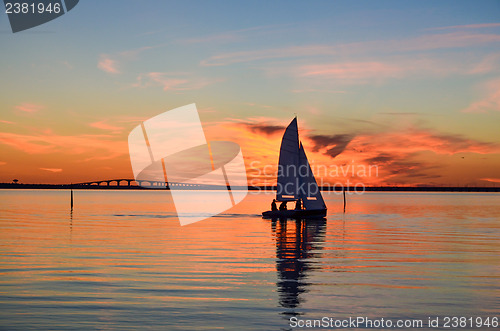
[(407, 89)]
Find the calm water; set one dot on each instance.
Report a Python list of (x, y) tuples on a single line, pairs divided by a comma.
[(121, 261)]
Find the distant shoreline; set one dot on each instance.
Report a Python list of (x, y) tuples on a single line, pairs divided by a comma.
[(250, 188)]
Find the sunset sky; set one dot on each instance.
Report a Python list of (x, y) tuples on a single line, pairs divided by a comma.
[(410, 87)]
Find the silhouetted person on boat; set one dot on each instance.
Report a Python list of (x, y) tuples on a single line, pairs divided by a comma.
[(298, 205), (273, 205), (283, 206)]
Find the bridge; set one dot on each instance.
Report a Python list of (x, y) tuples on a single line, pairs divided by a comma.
[(126, 182)]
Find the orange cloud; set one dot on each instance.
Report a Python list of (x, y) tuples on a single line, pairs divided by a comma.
[(491, 180), (400, 157), (104, 126), (47, 142), (407, 157), (28, 108), (2, 163), (52, 169), (416, 140), (410, 157)]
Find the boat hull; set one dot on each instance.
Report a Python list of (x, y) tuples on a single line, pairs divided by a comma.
[(316, 213)]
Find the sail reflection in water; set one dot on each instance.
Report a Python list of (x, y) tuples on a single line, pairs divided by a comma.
[(298, 243)]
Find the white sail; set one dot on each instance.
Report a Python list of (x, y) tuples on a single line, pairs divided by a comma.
[(308, 188), (287, 189)]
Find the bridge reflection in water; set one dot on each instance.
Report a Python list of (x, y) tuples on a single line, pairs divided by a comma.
[(298, 243)]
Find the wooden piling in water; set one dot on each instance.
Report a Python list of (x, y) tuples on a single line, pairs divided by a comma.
[(71, 198), (343, 191)]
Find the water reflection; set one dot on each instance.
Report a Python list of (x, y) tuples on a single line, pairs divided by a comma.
[(298, 243), (123, 261), (71, 225)]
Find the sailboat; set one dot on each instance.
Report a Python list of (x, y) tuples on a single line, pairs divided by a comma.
[(296, 182)]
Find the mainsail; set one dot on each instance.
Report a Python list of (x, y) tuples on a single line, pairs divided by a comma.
[(287, 189), (295, 177)]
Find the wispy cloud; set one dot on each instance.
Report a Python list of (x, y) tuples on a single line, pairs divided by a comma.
[(353, 72), (489, 64), (6, 122), (258, 105), (111, 63), (29, 107), (130, 119), (173, 81), (2, 163), (328, 76), (237, 35), (224, 37), (312, 90), (107, 64), (458, 39), (491, 180), (48, 142), (467, 26), (68, 65), (490, 100), (105, 126), (399, 113), (273, 53), (445, 40), (51, 169)]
